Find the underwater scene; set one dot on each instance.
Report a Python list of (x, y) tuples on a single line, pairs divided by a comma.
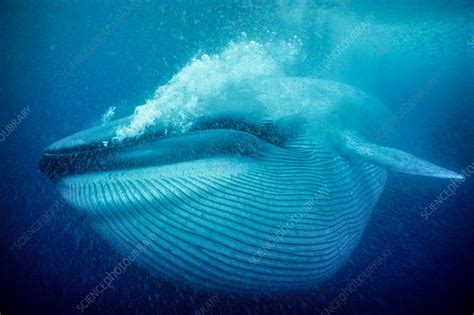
[(236, 157)]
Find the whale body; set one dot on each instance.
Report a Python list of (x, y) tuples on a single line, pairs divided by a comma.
[(268, 188)]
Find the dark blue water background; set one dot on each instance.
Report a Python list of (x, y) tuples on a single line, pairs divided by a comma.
[(120, 54)]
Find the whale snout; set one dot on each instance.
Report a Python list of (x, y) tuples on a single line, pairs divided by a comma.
[(95, 150)]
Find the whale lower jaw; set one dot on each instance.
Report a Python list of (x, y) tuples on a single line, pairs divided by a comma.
[(282, 221)]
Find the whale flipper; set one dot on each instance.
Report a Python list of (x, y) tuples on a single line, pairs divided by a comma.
[(392, 159)]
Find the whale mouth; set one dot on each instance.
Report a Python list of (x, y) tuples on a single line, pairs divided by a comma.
[(94, 149)]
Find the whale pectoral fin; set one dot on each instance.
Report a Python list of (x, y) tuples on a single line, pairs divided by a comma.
[(392, 159)]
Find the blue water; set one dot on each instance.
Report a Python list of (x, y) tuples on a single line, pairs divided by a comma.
[(70, 62)]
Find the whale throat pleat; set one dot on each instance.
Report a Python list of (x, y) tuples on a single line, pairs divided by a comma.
[(286, 219)]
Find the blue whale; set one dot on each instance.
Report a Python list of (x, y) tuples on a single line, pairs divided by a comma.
[(244, 200)]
